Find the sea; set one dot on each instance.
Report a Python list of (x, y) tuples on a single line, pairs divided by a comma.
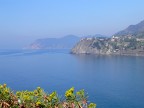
[(109, 81)]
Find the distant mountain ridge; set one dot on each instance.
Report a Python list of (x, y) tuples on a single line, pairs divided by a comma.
[(126, 42), (66, 42), (94, 36), (133, 30)]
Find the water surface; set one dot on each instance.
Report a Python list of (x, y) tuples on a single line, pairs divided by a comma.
[(111, 81)]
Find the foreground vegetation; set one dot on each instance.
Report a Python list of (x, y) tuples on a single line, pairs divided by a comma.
[(40, 99)]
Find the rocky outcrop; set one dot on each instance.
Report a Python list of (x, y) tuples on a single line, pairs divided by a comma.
[(90, 46), (109, 46), (126, 42)]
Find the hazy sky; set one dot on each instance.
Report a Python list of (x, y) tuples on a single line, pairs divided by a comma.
[(22, 21)]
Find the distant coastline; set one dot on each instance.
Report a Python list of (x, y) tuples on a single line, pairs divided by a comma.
[(126, 42), (108, 46)]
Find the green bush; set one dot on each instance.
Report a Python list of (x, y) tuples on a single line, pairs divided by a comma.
[(40, 99)]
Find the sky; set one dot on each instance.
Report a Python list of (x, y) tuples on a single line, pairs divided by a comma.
[(23, 21)]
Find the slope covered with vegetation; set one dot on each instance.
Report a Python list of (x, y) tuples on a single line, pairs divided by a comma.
[(40, 99), (126, 42), (133, 30)]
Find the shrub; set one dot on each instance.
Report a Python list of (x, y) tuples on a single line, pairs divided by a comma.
[(40, 99)]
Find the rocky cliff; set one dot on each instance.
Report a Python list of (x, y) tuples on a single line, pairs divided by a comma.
[(90, 45), (110, 46), (126, 42)]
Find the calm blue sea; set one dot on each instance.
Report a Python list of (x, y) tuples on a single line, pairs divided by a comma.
[(110, 81)]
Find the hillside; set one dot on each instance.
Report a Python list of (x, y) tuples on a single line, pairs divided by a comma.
[(110, 46), (133, 30), (126, 42), (66, 42)]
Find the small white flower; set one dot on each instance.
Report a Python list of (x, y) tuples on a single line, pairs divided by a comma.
[(19, 101)]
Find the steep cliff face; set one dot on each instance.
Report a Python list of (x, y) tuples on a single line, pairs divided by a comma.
[(84, 46), (110, 46), (92, 46), (126, 42)]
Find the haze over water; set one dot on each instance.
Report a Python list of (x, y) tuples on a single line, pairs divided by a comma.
[(111, 81), (23, 21)]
